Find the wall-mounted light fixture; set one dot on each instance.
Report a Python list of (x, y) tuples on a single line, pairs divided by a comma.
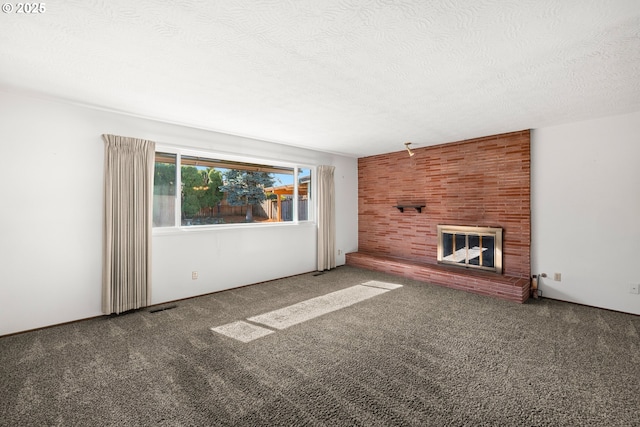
[(407, 144)]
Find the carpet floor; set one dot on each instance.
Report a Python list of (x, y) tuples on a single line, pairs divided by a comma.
[(417, 355)]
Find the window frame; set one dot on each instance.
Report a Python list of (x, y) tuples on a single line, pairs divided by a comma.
[(230, 159)]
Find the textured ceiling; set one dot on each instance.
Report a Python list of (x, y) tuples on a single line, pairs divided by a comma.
[(357, 77)]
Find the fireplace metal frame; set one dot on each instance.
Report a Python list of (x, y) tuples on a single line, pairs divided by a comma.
[(494, 232)]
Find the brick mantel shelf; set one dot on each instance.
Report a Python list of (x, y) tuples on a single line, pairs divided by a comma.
[(402, 206)]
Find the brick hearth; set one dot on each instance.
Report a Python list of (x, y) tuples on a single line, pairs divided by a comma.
[(505, 287)]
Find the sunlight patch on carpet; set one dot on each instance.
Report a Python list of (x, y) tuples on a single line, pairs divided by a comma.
[(315, 307), (303, 311), (242, 331), (382, 285)]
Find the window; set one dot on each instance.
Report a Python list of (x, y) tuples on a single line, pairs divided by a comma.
[(217, 191), (164, 190), (304, 193)]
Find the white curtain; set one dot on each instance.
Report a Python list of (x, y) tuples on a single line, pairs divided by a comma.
[(128, 205), (326, 219)]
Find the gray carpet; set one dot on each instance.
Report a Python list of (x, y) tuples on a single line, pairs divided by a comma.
[(419, 355)]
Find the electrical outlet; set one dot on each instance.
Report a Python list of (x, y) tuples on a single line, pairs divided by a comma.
[(557, 277), (339, 251), (194, 275), (634, 288)]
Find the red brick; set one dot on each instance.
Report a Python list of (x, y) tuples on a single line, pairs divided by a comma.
[(482, 181)]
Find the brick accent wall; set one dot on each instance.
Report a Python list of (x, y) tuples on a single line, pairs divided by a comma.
[(480, 182)]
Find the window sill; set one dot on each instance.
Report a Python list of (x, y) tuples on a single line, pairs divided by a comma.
[(161, 231)]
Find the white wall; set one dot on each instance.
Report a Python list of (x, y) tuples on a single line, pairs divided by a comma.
[(51, 167), (585, 201)]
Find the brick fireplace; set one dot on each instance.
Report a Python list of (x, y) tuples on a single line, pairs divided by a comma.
[(482, 182)]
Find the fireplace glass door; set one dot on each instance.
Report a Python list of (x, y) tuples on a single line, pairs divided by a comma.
[(475, 247)]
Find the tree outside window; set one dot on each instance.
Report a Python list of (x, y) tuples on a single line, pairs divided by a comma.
[(246, 188)]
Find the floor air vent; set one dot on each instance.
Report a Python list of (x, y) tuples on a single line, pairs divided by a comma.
[(163, 308)]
